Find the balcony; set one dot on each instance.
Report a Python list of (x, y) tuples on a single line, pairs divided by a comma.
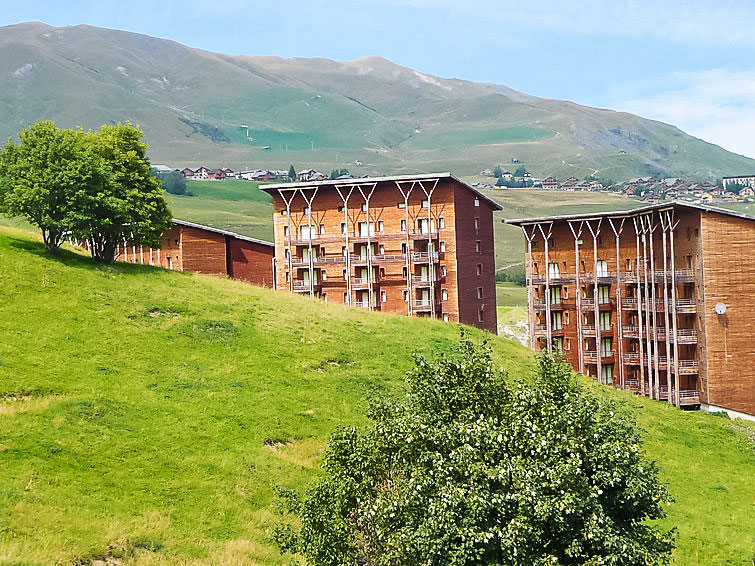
[(591, 357), (686, 306), (426, 281), (631, 359), (364, 305), (361, 283), (629, 304), (630, 331), (424, 257), (589, 330), (423, 305), (688, 367), (388, 258), (555, 278), (686, 397), (603, 277), (541, 331), (632, 385), (686, 336), (303, 286)]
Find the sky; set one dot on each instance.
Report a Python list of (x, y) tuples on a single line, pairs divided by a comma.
[(688, 63)]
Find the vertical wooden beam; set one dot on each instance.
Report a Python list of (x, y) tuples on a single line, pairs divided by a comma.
[(370, 278), (664, 226), (596, 305), (408, 258), (653, 312), (287, 241), (345, 200), (675, 317), (619, 312), (530, 284), (548, 329), (430, 263), (638, 232), (577, 235)]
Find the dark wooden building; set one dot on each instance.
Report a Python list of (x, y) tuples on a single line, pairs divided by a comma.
[(202, 249), (658, 300)]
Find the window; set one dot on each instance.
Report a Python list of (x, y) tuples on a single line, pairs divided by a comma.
[(556, 321), (553, 271), (445, 317), (479, 269), (307, 232), (403, 272), (477, 246), (605, 321), (383, 297), (343, 228), (344, 252), (441, 222), (401, 205), (567, 344), (603, 294), (443, 246), (307, 210), (425, 226), (605, 347), (382, 272), (324, 275), (606, 374), (425, 204), (366, 229), (558, 345), (287, 275), (344, 275), (479, 292), (403, 249), (406, 296), (476, 223), (602, 268), (364, 207), (555, 295), (477, 202), (403, 225), (284, 212), (322, 228), (345, 297), (381, 226), (285, 231), (381, 250), (443, 270), (480, 315), (341, 209), (566, 318), (325, 295), (600, 240), (444, 295), (566, 292)]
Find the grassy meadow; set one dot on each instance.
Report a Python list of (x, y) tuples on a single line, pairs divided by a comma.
[(146, 415)]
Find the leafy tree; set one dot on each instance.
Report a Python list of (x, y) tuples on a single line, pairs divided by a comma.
[(292, 173), (129, 204), (497, 172), (520, 171), (173, 182), (639, 190), (468, 470), (500, 182), (39, 176)]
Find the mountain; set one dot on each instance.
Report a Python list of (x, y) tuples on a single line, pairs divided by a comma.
[(242, 111)]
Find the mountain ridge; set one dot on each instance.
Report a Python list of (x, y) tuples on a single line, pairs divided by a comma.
[(201, 107)]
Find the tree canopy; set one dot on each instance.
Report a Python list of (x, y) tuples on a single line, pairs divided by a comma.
[(469, 470), (93, 186)]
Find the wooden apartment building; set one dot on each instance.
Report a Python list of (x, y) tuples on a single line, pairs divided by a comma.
[(420, 245), (658, 300), (187, 246)]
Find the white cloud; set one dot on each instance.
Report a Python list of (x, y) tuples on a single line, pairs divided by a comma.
[(717, 105)]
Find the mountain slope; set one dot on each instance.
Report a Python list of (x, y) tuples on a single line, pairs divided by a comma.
[(192, 105)]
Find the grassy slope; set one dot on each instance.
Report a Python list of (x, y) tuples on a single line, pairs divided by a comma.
[(145, 409)]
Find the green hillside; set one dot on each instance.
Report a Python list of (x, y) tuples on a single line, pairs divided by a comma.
[(146, 414), (207, 108)]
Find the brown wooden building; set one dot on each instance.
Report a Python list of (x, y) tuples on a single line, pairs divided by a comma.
[(658, 300), (202, 249), (420, 245)]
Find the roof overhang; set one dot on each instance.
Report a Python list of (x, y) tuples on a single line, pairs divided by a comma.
[(627, 213), (276, 187), (223, 232)]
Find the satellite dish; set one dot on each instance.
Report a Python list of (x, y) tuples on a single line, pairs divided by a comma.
[(720, 308)]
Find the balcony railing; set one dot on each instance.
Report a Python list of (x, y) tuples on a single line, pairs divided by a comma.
[(688, 367), (555, 278), (686, 396), (631, 358), (631, 331), (304, 285), (423, 305), (686, 306), (541, 330), (686, 336)]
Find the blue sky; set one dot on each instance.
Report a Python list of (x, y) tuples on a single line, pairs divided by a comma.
[(687, 63)]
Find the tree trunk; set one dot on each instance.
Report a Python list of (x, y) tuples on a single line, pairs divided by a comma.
[(52, 240), (103, 249)]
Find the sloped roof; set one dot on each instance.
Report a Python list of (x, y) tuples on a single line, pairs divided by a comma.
[(631, 212), (368, 180), (224, 232)]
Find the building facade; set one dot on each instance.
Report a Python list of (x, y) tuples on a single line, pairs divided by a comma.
[(418, 245), (658, 300), (202, 249)]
